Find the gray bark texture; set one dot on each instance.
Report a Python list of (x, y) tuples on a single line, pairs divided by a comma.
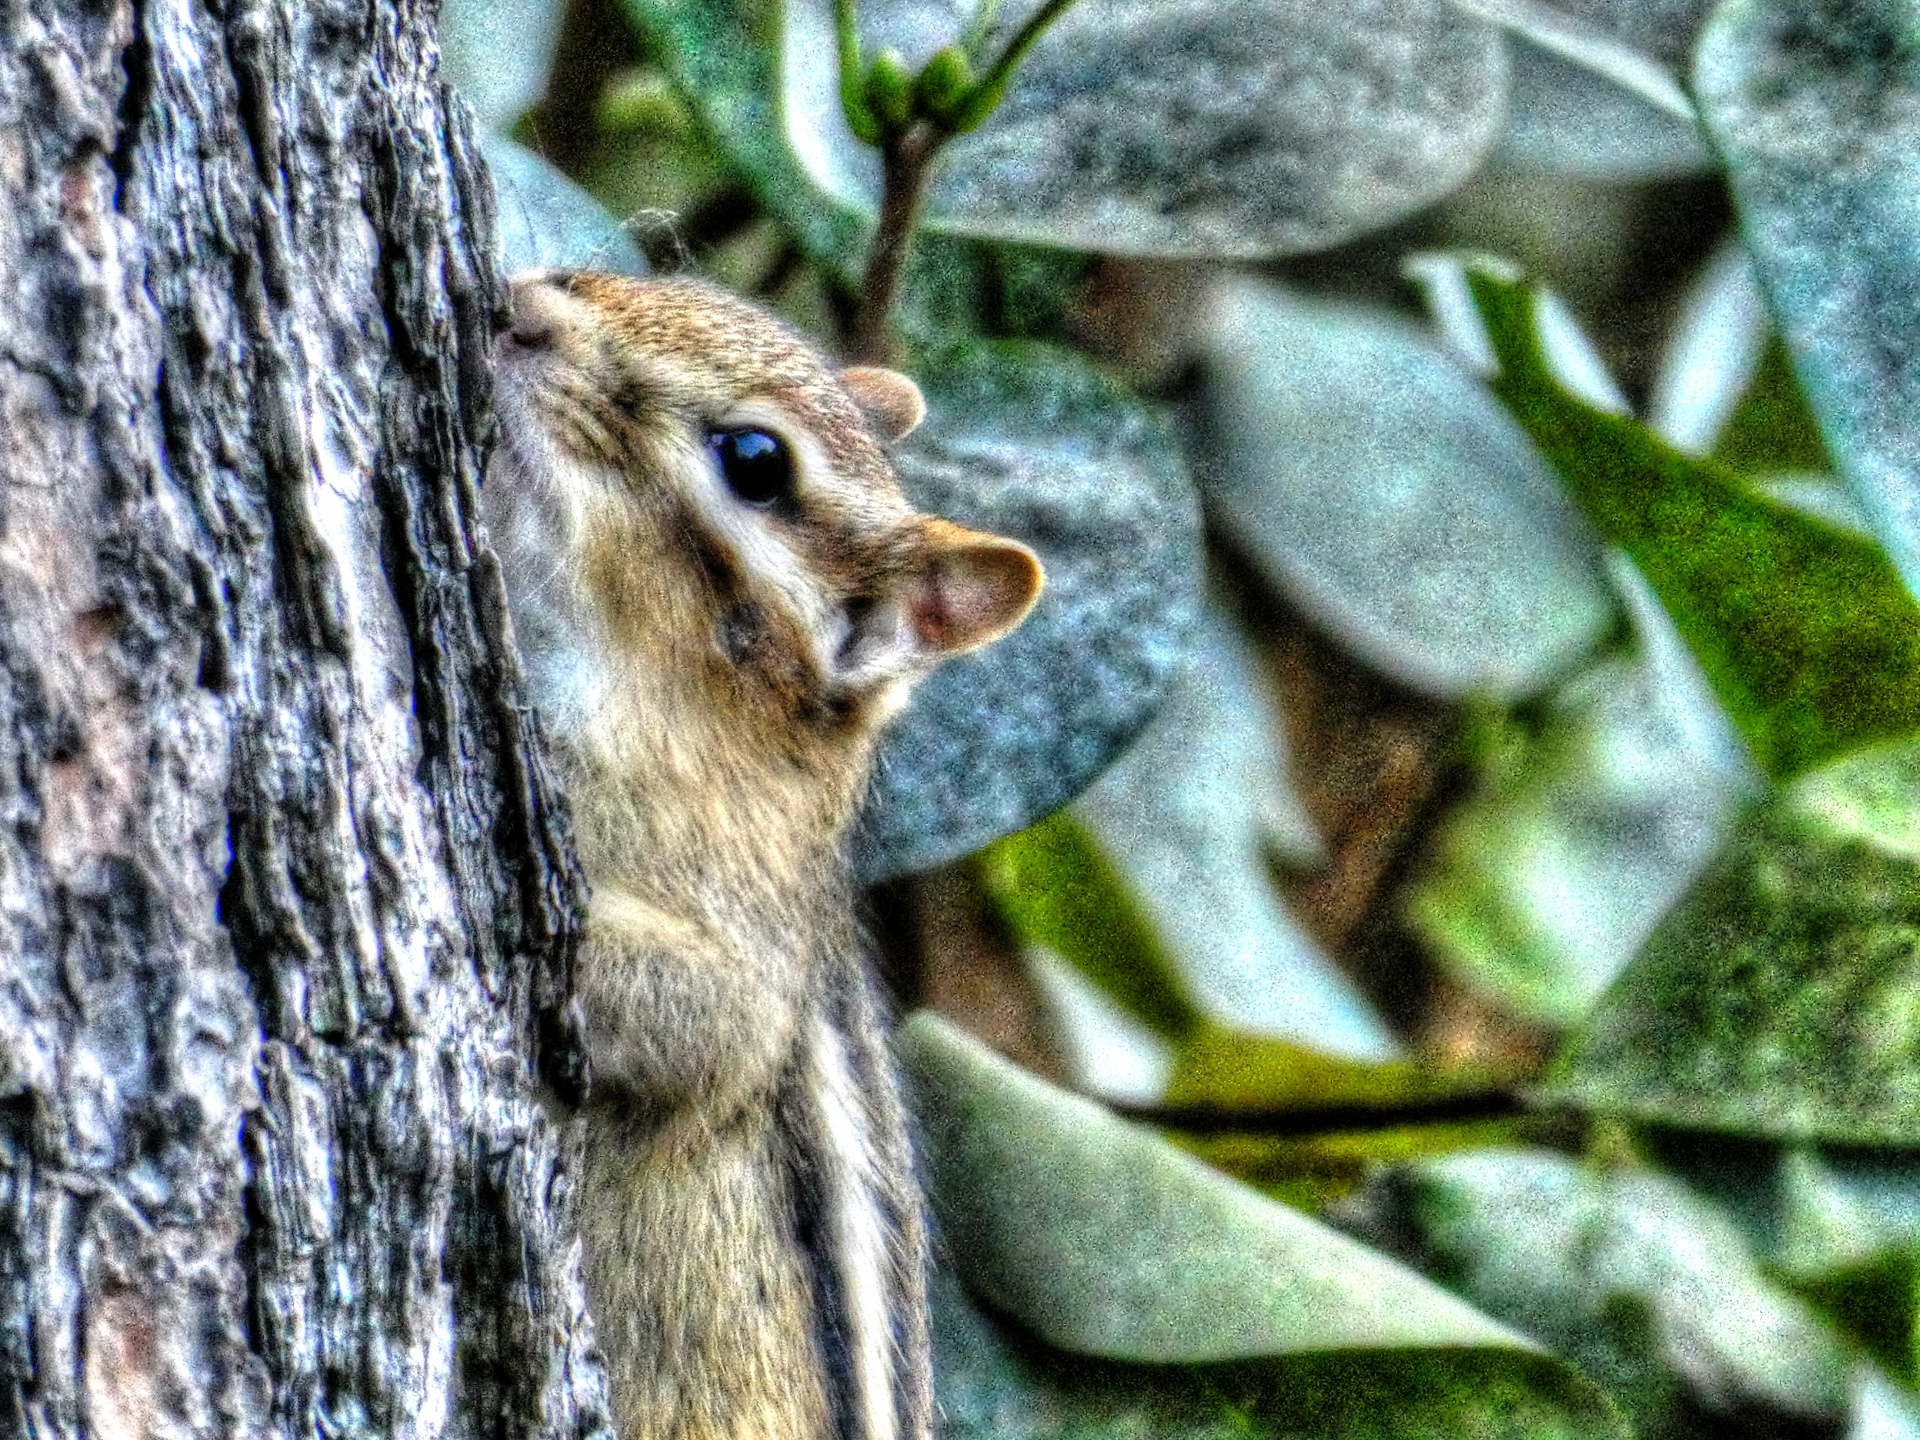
[(287, 911)]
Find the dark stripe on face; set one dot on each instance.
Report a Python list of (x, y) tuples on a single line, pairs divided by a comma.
[(768, 652)]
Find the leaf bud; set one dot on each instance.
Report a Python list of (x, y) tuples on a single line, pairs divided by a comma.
[(890, 90), (944, 83), (860, 120)]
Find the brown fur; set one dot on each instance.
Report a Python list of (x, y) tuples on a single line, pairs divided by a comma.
[(714, 677)]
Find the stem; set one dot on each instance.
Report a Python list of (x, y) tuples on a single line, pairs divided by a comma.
[(905, 159), (979, 26), (853, 77), (993, 84), (847, 35), (1487, 1103)]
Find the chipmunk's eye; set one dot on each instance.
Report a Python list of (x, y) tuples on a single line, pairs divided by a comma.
[(757, 467)]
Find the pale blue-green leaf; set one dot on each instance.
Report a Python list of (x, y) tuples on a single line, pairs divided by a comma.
[(1778, 999), (497, 53), (1544, 885), (1806, 1209), (994, 1382), (1101, 1238), (548, 221), (1107, 1051), (1441, 276), (1566, 119), (1031, 441), (1649, 1289), (1883, 1410), (1821, 496), (1445, 282), (1815, 105), (1575, 33), (1173, 127), (1189, 816), (1842, 1208), (1373, 480), (1595, 88), (1712, 355), (1870, 798), (1573, 357), (1664, 30)]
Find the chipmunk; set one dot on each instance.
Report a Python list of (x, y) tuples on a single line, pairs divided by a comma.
[(720, 596)]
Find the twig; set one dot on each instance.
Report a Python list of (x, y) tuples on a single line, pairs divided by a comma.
[(1498, 1103), (905, 160)]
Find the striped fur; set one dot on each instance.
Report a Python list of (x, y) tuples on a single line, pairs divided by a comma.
[(713, 676)]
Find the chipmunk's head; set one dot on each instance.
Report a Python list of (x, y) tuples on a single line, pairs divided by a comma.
[(692, 504)]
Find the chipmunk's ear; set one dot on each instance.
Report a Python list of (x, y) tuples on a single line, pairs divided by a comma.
[(965, 589), (971, 589), (891, 402)]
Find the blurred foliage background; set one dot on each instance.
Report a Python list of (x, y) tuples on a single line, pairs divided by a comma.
[(1420, 935)]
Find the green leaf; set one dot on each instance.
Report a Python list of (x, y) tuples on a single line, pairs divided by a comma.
[(1054, 888), (1649, 1289), (1772, 430), (1218, 1069), (1231, 1098), (1376, 484), (994, 1381), (1805, 630), (1874, 1303), (1101, 1240), (548, 221), (1815, 105), (1032, 441), (1783, 997), (1144, 127), (1316, 1171)]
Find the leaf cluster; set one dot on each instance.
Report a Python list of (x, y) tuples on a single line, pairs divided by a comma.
[(1476, 966)]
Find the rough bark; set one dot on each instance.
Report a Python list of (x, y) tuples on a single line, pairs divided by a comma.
[(286, 913)]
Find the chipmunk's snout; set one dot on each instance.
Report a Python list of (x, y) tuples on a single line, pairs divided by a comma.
[(534, 332), (535, 304)]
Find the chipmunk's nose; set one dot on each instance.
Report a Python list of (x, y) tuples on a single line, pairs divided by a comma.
[(535, 303)]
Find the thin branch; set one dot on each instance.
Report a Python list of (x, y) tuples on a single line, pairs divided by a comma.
[(980, 27), (853, 78), (906, 156), (1494, 1103), (786, 263), (905, 161), (993, 84)]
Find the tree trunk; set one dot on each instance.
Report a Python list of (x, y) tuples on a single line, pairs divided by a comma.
[(286, 908)]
